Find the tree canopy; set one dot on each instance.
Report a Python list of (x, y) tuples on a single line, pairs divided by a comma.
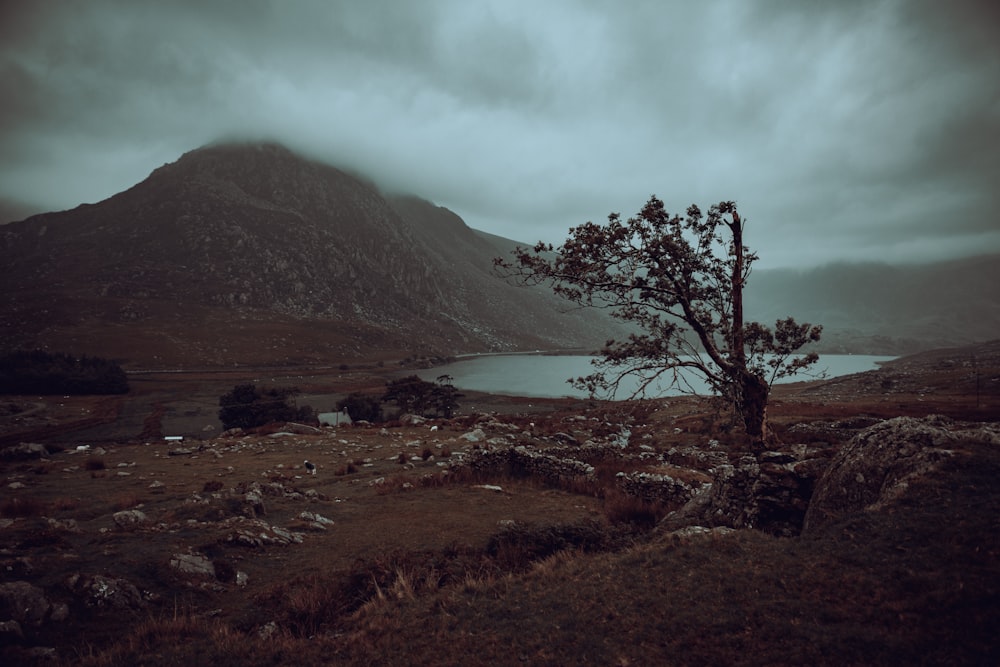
[(427, 399), (248, 405), (679, 282), (40, 372)]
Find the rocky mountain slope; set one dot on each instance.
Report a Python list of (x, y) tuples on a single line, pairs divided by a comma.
[(248, 253)]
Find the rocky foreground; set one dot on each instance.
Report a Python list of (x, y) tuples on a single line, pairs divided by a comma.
[(99, 536)]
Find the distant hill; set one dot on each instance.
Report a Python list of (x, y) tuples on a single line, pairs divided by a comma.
[(250, 254), (878, 308)]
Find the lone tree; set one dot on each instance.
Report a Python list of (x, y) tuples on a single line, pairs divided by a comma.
[(680, 282)]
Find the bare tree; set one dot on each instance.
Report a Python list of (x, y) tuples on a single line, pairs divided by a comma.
[(679, 282)]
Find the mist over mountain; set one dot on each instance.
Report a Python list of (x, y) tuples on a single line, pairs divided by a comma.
[(247, 254), (883, 309)]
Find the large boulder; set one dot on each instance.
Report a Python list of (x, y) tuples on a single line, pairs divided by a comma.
[(28, 605), (877, 465), (98, 590)]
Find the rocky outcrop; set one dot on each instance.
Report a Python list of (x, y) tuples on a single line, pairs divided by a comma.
[(655, 488), (129, 520), (525, 460), (878, 465), (98, 590), (770, 494), (193, 564)]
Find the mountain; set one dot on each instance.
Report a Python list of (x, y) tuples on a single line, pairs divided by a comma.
[(250, 254), (883, 309)]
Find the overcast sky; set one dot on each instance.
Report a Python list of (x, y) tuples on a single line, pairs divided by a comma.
[(847, 130)]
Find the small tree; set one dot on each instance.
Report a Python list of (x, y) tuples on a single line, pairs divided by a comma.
[(444, 396), (680, 282), (247, 406), (412, 394), (361, 407)]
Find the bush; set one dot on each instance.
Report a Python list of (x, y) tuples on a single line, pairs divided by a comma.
[(361, 407), (46, 373), (247, 406), (428, 399)]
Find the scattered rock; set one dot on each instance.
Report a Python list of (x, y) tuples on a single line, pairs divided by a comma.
[(10, 633), (302, 429), (129, 519), (259, 534), (476, 435), (490, 487), (27, 604), (316, 521), (411, 420), (106, 592), (699, 531), (24, 451), (193, 564), (68, 525), (653, 487)]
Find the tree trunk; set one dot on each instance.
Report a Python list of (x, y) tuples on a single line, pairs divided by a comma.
[(753, 409)]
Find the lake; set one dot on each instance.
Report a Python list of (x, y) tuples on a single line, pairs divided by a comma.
[(545, 376)]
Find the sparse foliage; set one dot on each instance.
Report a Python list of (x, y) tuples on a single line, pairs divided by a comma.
[(680, 281), (247, 406)]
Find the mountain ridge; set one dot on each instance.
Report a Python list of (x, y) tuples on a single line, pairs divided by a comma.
[(260, 234)]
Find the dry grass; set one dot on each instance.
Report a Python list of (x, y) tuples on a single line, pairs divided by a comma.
[(212, 486), (621, 508), (22, 507), (94, 463), (564, 572), (126, 501)]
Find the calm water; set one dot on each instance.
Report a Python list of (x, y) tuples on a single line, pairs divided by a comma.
[(545, 376)]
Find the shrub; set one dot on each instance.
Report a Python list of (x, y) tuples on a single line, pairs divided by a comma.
[(94, 463), (429, 399), (348, 469), (361, 407), (621, 508), (21, 507), (47, 373), (248, 406)]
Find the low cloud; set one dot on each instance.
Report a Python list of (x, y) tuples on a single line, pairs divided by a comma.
[(843, 130)]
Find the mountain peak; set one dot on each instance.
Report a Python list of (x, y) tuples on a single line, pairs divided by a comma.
[(253, 234)]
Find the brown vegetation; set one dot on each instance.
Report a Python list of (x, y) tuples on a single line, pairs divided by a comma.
[(431, 564)]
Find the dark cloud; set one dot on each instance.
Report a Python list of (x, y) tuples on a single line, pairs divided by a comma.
[(850, 130)]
